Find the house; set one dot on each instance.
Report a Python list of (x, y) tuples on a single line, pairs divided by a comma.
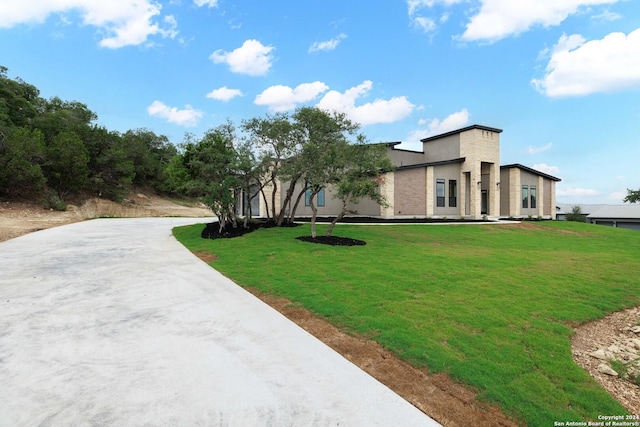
[(456, 175), (622, 216)]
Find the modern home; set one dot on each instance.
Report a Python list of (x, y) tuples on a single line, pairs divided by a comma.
[(622, 216), (456, 175)]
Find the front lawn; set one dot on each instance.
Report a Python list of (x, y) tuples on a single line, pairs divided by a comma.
[(492, 305)]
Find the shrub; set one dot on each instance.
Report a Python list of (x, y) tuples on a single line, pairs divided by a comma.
[(53, 201), (576, 214)]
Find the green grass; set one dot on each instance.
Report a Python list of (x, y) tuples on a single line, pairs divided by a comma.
[(491, 305)]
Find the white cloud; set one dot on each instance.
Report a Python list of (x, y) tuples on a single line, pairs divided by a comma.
[(124, 22), (327, 45), (425, 24), (224, 94), (578, 67), (606, 16), (188, 117), (378, 111), (498, 19), (208, 3), (283, 98), (538, 150), (422, 22), (453, 121), (252, 58), (576, 191), (545, 168)]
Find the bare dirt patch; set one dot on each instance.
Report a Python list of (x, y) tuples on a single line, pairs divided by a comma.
[(18, 218), (611, 330)]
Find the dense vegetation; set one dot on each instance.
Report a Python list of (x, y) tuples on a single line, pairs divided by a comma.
[(50, 149), (491, 305)]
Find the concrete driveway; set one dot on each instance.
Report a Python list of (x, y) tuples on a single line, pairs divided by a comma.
[(112, 322)]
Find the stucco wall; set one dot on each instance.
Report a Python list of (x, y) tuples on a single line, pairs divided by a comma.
[(405, 158), (446, 148)]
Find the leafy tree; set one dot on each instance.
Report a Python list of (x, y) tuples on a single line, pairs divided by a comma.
[(324, 139), (633, 196), (18, 101), (252, 175), (111, 171), (150, 154), (274, 139), (21, 156), (210, 170), (67, 168), (361, 176), (56, 116)]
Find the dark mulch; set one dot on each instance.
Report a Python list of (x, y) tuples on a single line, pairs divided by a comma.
[(373, 220), (332, 240), (211, 230)]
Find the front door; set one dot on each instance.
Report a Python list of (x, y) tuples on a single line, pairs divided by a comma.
[(484, 201)]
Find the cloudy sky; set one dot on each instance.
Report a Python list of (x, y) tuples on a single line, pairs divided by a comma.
[(560, 77)]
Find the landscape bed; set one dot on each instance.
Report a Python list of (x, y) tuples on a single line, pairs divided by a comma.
[(491, 305)]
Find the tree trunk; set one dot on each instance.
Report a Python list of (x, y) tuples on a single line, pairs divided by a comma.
[(287, 201), (337, 218), (273, 197), (266, 203), (292, 214), (314, 211)]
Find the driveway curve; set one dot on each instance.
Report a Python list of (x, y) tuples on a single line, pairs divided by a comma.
[(112, 322)]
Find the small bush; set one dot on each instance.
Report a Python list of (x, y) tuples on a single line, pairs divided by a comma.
[(619, 367), (576, 214), (53, 201)]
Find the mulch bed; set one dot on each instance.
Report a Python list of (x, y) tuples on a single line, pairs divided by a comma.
[(212, 231)]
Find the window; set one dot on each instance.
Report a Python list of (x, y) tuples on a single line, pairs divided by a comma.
[(319, 198), (453, 193), (533, 196), (440, 193), (525, 196)]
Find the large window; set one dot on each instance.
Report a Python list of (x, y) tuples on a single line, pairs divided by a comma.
[(453, 193), (525, 196), (319, 198), (440, 193), (532, 196)]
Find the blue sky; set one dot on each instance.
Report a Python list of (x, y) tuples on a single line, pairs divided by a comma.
[(560, 77)]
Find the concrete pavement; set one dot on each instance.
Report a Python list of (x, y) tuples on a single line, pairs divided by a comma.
[(112, 322)]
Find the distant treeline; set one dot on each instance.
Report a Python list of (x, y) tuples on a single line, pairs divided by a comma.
[(51, 149)]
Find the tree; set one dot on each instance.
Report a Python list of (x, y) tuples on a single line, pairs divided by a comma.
[(111, 171), (210, 168), (323, 138), (252, 173), (278, 149), (633, 196), (21, 157), (361, 176), (150, 154), (67, 168), (17, 101)]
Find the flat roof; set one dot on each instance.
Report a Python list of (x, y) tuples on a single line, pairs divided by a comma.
[(528, 169), (424, 165), (453, 132)]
